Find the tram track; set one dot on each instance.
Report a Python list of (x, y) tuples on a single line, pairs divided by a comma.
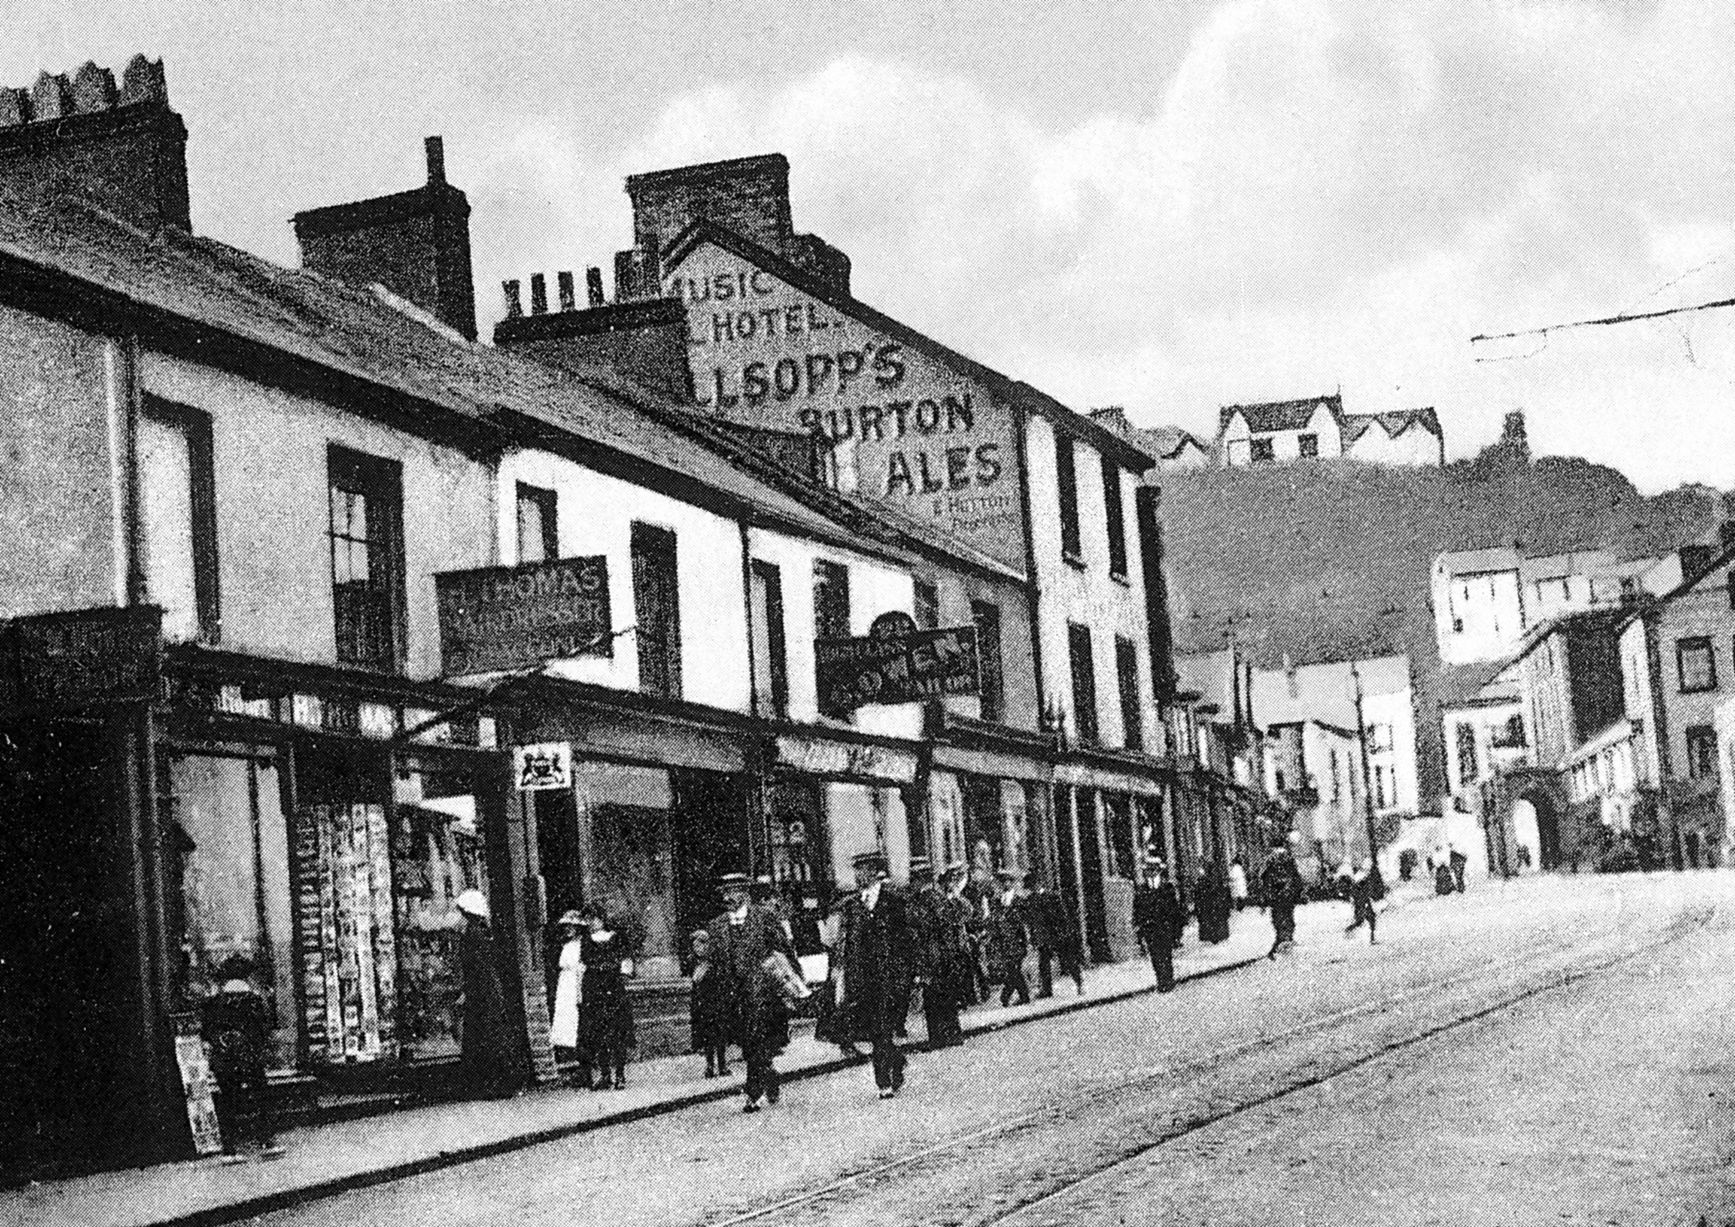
[(1519, 979)]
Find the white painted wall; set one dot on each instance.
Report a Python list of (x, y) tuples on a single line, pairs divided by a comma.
[(273, 552), (594, 514), (1477, 616), (874, 588), (1086, 595)]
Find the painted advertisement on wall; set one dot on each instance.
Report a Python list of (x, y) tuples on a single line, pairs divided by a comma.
[(906, 430)]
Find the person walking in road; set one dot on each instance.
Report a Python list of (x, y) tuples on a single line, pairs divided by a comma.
[(743, 938), (485, 1056), (877, 951), (1054, 936), (1283, 888), (1367, 888), (1157, 917)]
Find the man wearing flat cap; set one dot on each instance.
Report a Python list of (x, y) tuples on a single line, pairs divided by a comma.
[(876, 953), (742, 939)]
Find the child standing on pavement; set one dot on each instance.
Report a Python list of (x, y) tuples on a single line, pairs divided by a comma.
[(709, 1009), (605, 1019), (236, 1021)]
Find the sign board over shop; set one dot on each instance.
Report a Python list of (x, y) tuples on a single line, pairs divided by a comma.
[(895, 663), (918, 435), (498, 618), (543, 767), (850, 760), (72, 660)]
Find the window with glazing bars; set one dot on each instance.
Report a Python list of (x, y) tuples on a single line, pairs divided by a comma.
[(365, 518)]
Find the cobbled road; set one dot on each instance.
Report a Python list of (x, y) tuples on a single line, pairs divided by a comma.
[(1553, 1050)]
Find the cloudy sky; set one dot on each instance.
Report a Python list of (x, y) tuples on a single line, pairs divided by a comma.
[(1169, 207)]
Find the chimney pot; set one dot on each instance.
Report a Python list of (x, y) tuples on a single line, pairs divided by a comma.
[(14, 107), (538, 294), (93, 89), (514, 305), (593, 286), (436, 149), (51, 97), (568, 298), (143, 81)]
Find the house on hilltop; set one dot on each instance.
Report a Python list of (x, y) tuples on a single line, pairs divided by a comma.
[(1317, 428)]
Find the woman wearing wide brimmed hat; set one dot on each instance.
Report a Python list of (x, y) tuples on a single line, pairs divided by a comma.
[(568, 996)]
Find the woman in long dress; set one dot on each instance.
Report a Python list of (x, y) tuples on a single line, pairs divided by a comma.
[(568, 999)]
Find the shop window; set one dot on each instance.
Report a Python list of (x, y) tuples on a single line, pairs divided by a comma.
[(1083, 682), (629, 813), (1701, 752), (985, 615), (228, 841), (798, 854), (365, 509), (179, 514), (437, 853), (538, 531), (1127, 673), (1117, 817), (1066, 478), (343, 867), (1695, 664), (984, 830), (1115, 516), (657, 611), (770, 647), (927, 606)]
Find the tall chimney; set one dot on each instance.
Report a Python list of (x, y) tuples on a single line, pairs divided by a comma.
[(415, 243), (122, 148)]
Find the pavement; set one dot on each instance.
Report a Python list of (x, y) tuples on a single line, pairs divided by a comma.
[(325, 1160)]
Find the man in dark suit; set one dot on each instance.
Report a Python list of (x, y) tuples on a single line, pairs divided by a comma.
[(1157, 918), (742, 938), (876, 951)]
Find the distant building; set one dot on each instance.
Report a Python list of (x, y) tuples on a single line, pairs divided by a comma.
[(1485, 600), (1317, 428)]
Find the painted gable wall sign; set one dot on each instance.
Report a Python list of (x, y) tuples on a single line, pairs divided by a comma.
[(923, 438)]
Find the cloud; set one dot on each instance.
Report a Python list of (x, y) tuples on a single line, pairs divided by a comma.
[(1326, 192)]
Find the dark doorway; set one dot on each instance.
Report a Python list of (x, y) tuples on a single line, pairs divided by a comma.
[(1090, 873), (710, 834), (68, 987), (1547, 831), (1067, 855), (1692, 841)]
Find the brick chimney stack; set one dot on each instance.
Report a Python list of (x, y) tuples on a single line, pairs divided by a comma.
[(122, 148), (415, 243)]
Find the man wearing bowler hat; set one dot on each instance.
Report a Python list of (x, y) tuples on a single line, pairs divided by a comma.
[(876, 954), (742, 939), (1157, 919)]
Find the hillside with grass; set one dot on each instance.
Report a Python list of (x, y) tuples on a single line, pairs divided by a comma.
[(1331, 560)]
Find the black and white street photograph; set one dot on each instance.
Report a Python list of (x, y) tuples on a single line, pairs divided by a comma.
[(910, 615)]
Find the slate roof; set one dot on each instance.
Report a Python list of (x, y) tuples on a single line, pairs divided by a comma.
[(250, 312), (1395, 423), (1166, 442), (1269, 416)]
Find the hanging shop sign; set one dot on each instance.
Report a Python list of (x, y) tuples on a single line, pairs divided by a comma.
[(498, 618), (895, 663), (90, 656), (545, 766)]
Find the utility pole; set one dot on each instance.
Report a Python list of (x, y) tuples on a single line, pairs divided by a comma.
[(1361, 737)]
